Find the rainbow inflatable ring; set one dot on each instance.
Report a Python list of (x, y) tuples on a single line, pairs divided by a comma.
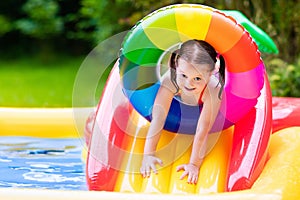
[(116, 154), (159, 31)]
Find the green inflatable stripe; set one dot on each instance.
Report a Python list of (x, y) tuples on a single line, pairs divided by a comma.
[(139, 49), (264, 42), (135, 77)]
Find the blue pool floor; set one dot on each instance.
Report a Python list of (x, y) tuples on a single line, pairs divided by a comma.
[(27, 162)]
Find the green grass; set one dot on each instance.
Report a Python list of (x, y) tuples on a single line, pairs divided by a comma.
[(29, 82)]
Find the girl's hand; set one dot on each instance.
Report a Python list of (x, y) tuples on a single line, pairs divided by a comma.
[(88, 129), (148, 164), (191, 171)]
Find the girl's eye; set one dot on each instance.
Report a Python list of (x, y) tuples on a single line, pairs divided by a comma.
[(197, 79), (183, 75)]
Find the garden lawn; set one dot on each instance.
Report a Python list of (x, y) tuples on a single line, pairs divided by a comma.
[(29, 82)]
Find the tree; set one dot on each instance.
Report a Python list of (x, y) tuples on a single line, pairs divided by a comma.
[(41, 19)]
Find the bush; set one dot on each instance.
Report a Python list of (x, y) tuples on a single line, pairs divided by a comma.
[(284, 77), (5, 25), (42, 20)]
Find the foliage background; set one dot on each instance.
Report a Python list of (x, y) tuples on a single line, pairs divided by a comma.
[(47, 29)]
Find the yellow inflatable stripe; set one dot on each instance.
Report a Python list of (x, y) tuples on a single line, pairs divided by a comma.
[(163, 32), (281, 173), (129, 179), (159, 183), (212, 176), (192, 24), (178, 186), (43, 122), (213, 171)]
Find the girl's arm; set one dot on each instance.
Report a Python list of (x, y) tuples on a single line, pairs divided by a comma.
[(160, 111), (205, 123), (159, 114), (207, 117)]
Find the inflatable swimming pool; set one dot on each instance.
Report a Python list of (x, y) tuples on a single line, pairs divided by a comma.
[(283, 157)]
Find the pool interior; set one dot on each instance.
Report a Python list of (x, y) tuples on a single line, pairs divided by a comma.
[(28, 162)]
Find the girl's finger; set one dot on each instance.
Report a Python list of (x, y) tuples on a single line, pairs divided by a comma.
[(159, 161), (180, 167), (148, 171), (184, 174), (194, 179), (190, 178), (153, 168), (142, 171)]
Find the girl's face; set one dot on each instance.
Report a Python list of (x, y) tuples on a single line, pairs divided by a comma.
[(190, 78)]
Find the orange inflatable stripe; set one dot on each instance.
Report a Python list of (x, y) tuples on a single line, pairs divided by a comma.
[(128, 179), (221, 25), (245, 63)]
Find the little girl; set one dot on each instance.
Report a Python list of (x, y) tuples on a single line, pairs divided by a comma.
[(193, 79)]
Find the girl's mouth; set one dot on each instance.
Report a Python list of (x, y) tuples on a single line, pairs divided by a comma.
[(189, 89)]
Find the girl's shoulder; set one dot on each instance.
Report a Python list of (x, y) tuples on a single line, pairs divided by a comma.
[(166, 82)]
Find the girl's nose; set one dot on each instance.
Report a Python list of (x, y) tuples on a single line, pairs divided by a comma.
[(189, 82)]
